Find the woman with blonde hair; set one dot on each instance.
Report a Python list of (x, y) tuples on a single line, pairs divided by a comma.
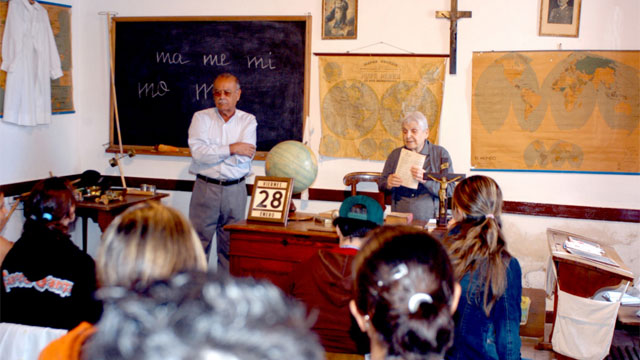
[(404, 294), (488, 316), (148, 242)]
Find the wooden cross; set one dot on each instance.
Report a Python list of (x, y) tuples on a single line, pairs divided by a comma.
[(444, 179), (454, 15)]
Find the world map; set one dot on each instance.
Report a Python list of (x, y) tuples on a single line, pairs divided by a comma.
[(61, 88), (561, 110), (364, 99)]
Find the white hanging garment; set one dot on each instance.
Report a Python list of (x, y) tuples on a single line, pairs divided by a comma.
[(30, 58)]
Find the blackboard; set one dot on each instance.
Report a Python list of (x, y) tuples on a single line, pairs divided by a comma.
[(164, 70)]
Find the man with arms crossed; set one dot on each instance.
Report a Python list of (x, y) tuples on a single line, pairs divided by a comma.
[(222, 141)]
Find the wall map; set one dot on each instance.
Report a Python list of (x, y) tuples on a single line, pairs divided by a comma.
[(556, 111)]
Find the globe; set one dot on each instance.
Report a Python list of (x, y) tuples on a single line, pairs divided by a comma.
[(294, 160)]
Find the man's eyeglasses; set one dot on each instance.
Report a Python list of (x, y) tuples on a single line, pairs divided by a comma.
[(218, 93)]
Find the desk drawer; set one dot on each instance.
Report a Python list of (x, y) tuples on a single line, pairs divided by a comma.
[(269, 256), (283, 249), (275, 271)]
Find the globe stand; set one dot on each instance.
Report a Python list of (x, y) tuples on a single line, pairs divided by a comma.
[(296, 216)]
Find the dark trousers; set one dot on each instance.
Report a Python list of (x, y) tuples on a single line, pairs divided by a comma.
[(211, 208)]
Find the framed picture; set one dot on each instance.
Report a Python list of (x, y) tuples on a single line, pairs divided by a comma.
[(339, 19), (560, 17), (271, 199)]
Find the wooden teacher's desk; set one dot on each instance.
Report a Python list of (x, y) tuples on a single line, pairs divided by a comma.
[(103, 214), (270, 251)]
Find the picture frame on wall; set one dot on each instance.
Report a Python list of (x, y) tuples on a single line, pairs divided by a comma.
[(339, 19), (560, 17)]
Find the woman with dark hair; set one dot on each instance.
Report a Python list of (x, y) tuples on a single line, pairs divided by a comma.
[(488, 318), (404, 294), (46, 280)]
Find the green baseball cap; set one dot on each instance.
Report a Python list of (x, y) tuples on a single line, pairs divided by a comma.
[(362, 207)]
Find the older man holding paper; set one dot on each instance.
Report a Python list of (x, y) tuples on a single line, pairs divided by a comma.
[(403, 173)]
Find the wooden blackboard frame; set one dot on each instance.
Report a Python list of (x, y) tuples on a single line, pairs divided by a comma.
[(184, 151)]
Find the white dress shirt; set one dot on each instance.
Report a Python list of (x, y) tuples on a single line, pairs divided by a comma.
[(209, 140)]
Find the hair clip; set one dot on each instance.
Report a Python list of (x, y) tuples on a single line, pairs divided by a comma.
[(418, 298), (399, 272), (490, 216), (47, 216)]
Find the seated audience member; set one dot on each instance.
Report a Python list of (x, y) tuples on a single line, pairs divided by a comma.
[(488, 318), (196, 315), (148, 242), (404, 294), (46, 280), (324, 282), (5, 245)]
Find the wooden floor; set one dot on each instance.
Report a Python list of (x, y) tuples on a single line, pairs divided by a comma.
[(623, 339), (625, 345), (528, 350)]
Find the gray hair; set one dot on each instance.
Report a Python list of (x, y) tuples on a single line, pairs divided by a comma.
[(418, 118), (195, 315), (229, 76)]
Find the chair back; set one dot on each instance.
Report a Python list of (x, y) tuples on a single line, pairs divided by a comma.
[(21, 342), (353, 178)]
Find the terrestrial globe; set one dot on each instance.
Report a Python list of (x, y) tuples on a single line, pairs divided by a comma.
[(294, 160)]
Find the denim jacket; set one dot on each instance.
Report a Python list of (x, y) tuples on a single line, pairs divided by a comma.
[(497, 336)]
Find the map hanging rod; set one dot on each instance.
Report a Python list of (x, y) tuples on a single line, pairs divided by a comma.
[(382, 54), (109, 14), (408, 53), (380, 43)]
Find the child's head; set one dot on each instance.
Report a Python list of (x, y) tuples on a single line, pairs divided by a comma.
[(405, 293), (478, 243), (51, 203), (358, 215), (148, 242), (477, 198)]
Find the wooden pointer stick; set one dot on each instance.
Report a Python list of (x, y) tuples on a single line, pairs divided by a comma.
[(6, 219)]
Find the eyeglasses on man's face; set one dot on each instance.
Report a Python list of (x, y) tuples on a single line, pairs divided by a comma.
[(219, 93)]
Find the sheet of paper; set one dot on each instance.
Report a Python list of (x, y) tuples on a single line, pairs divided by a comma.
[(408, 159)]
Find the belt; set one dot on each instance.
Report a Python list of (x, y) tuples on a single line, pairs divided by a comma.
[(220, 182)]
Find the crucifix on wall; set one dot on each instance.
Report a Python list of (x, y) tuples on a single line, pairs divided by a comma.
[(454, 15)]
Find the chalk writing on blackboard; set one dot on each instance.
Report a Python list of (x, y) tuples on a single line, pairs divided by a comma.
[(165, 67)]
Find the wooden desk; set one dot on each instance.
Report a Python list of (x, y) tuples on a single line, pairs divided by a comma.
[(627, 315), (270, 251), (103, 214), (580, 276), (537, 312)]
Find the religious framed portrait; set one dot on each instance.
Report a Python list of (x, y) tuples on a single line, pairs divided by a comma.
[(560, 17), (339, 19)]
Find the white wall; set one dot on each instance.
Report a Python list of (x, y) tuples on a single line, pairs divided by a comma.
[(73, 143)]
